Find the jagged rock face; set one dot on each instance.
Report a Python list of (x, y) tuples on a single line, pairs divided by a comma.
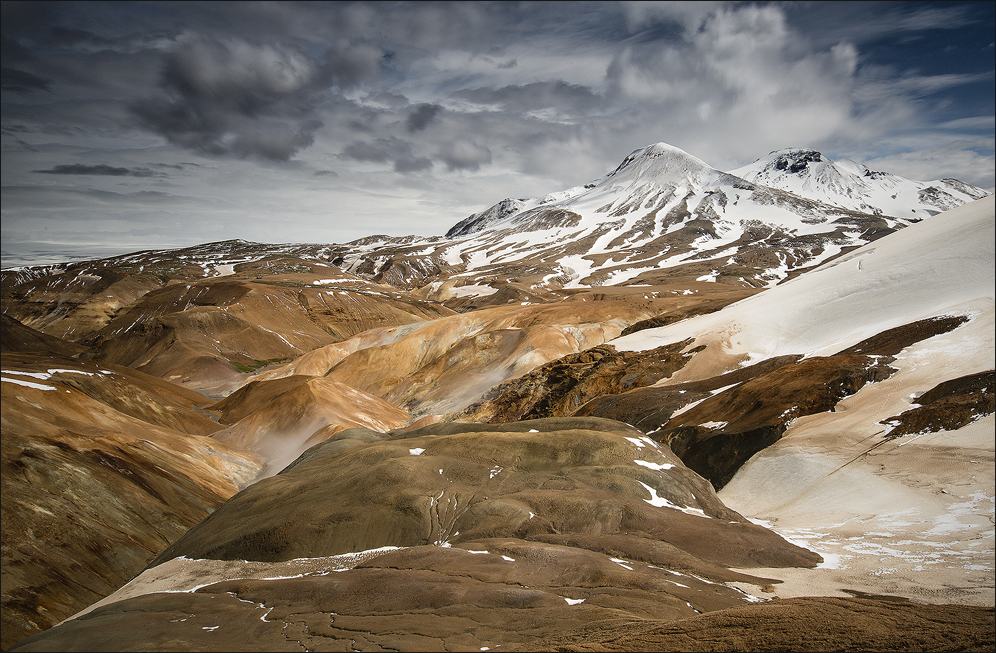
[(560, 387), (362, 490), (650, 408), (103, 467), (717, 436)]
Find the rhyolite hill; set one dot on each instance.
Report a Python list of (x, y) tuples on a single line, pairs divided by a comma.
[(650, 410)]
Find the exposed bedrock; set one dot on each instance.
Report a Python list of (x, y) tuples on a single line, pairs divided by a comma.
[(718, 435), (714, 425), (947, 406), (451, 483), (650, 408), (560, 387)]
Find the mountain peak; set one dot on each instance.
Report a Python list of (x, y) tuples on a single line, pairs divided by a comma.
[(660, 162), (796, 160)]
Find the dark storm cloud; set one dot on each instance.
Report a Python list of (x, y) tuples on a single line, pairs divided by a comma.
[(377, 152), (421, 116), (13, 51), (101, 169), (350, 63), (465, 154), (70, 37), (409, 163), (382, 150), (22, 82), (227, 98), (234, 97)]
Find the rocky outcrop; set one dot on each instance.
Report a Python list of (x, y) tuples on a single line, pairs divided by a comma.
[(560, 387), (650, 408), (715, 425), (947, 406), (707, 305), (718, 435), (892, 341)]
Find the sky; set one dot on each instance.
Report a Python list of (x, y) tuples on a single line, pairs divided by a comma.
[(130, 126)]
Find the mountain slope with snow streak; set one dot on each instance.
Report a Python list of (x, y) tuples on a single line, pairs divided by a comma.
[(937, 267), (661, 216), (851, 185)]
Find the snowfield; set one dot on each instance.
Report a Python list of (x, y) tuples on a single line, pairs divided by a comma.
[(911, 516), (941, 266)]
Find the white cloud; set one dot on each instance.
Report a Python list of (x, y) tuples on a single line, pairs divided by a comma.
[(956, 159)]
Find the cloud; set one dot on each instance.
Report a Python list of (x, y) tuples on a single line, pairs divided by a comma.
[(22, 82), (349, 62), (572, 98), (408, 163), (100, 169), (464, 154), (403, 99), (738, 82), (377, 152), (232, 97), (421, 116), (391, 149), (956, 160)]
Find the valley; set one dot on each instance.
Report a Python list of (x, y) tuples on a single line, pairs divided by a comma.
[(667, 409)]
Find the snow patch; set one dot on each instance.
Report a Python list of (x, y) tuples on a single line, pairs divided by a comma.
[(654, 466)]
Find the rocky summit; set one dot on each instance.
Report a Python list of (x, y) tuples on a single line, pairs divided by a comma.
[(675, 408)]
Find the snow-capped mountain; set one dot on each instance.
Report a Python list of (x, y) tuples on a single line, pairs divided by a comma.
[(665, 216), (662, 217), (851, 185)]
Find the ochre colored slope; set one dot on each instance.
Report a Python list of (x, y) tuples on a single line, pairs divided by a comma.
[(102, 469)]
